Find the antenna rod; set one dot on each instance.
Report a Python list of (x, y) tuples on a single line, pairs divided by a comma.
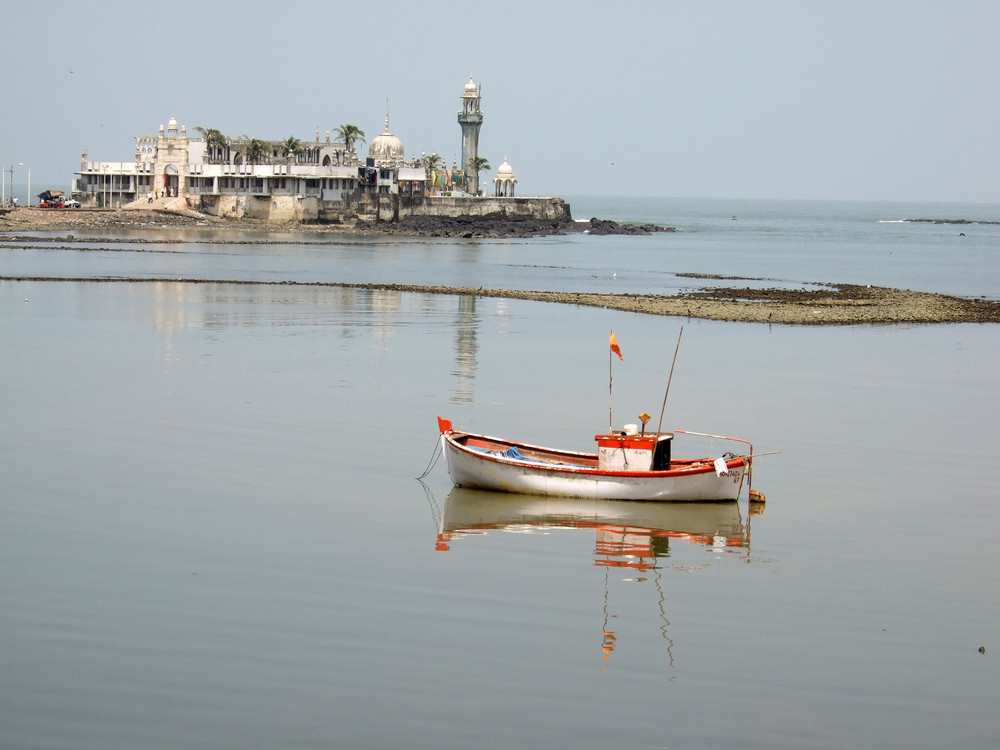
[(660, 425)]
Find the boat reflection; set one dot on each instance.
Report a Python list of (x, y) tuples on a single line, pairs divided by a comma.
[(628, 534), (631, 537)]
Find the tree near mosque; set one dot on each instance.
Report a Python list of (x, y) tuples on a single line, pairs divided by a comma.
[(350, 134), (478, 164), (256, 151), (431, 162), (215, 142), (291, 146)]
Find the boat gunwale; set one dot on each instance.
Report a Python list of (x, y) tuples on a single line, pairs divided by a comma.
[(707, 464)]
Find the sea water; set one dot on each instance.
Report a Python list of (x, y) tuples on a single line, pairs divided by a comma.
[(791, 244), (212, 535)]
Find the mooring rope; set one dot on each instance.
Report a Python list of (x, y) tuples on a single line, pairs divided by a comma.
[(433, 460)]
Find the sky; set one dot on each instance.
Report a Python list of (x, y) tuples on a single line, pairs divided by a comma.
[(845, 100)]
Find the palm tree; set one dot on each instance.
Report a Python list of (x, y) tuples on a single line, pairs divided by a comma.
[(350, 134), (256, 151), (431, 162), (215, 142), (291, 146), (478, 164)]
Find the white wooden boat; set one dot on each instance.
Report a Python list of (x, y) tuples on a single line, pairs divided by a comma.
[(626, 466)]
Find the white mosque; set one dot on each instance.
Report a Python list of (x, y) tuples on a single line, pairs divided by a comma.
[(293, 180)]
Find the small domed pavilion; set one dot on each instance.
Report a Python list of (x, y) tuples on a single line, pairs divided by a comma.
[(504, 181)]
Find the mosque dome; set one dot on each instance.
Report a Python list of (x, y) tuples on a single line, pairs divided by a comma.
[(172, 125), (506, 171), (471, 89), (386, 149)]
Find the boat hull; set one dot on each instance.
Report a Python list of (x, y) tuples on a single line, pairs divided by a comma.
[(689, 481)]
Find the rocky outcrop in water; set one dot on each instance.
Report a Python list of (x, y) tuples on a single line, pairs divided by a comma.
[(606, 226), (951, 221)]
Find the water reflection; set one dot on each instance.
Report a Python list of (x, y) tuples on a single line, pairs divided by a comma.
[(628, 534), (176, 306), (634, 539), (466, 348)]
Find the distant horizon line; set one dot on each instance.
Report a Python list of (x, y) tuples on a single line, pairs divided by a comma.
[(567, 196)]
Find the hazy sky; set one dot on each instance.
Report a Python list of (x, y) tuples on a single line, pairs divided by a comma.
[(833, 100)]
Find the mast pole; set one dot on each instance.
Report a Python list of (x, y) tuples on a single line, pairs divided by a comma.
[(610, 380), (660, 425)]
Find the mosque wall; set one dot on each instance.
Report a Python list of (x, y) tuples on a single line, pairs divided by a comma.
[(278, 209), (289, 209), (555, 209)]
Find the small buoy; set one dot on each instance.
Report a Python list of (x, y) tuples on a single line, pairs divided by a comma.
[(757, 497), (982, 649), (25, 299)]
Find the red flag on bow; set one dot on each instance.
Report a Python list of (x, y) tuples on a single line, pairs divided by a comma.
[(614, 347)]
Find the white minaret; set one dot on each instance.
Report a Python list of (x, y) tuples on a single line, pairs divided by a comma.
[(470, 118)]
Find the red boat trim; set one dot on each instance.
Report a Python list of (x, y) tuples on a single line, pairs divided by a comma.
[(694, 466)]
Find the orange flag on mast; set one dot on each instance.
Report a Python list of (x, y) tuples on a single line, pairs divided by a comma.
[(614, 347)]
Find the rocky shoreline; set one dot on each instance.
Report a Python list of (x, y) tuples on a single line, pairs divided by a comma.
[(54, 220), (498, 228), (826, 304)]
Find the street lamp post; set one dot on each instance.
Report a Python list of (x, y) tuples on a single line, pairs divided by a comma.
[(22, 164)]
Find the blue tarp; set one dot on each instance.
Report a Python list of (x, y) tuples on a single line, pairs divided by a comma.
[(510, 453), (515, 454)]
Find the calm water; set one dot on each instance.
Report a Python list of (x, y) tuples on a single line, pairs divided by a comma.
[(776, 243), (212, 535)]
